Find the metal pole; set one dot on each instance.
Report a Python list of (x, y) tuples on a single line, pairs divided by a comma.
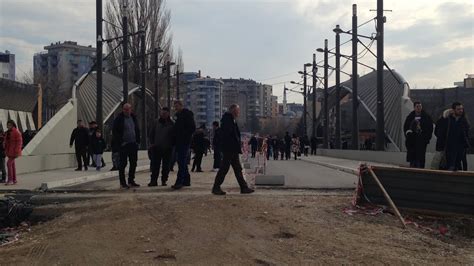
[(315, 71), (168, 78), (380, 133), (355, 78), (177, 82), (156, 93), (338, 90), (305, 107), (98, 117), (125, 56), (143, 80), (326, 95)]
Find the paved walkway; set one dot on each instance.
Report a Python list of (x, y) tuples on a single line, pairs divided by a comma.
[(34, 181)]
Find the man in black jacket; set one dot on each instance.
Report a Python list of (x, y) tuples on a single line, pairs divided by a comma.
[(253, 145), (216, 140), (126, 135), (288, 143), (199, 148), (452, 131), (425, 128), (80, 139), (231, 148), (184, 128), (161, 140)]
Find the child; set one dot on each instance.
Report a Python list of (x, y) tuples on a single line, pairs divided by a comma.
[(98, 147)]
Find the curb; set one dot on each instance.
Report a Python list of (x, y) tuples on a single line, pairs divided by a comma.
[(335, 167), (85, 179)]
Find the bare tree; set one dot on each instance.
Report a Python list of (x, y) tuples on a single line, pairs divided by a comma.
[(153, 17)]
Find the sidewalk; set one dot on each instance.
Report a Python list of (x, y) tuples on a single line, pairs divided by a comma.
[(65, 177)]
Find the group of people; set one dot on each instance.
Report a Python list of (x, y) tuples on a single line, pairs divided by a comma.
[(11, 143), (89, 146), (284, 147), (451, 130), (172, 139)]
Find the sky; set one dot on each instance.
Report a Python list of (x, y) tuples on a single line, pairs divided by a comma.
[(429, 42)]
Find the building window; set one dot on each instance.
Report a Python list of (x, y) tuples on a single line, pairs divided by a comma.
[(5, 75)]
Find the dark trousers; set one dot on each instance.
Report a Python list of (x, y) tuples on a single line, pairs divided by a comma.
[(128, 151), (275, 154), (160, 158), (282, 154), (217, 159), (2, 168), (229, 159), (197, 161), (454, 157), (313, 150), (81, 157), (182, 155), (288, 153), (464, 161), (254, 151)]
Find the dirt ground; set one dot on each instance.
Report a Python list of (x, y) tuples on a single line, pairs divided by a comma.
[(280, 228)]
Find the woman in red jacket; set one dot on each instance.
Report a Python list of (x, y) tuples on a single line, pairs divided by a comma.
[(13, 144)]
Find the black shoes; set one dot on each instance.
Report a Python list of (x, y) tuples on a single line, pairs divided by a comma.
[(133, 184), (177, 186), (85, 168), (124, 186), (218, 191), (152, 184), (247, 191), (163, 183), (114, 169), (78, 169)]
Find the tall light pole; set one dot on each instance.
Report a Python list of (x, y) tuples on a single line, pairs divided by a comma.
[(355, 78), (125, 56), (315, 71), (168, 78), (143, 81), (305, 107), (156, 95), (380, 132), (338, 88), (326, 95), (177, 82), (98, 118)]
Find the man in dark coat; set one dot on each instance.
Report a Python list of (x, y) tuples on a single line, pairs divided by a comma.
[(314, 145), (231, 148), (80, 139), (275, 148), (126, 135), (199, 148), (216, 140), (184, 128), (288, 142), (452, 131), (253, 145), (161, 141), (422, 132)]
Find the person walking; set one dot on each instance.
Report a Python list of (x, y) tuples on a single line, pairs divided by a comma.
[(184, 129), (305, 145), (3, 177), (97, 148), (161, 141), (452, 131), (13, 143), (216, 146), (231, 148), (126, 133), (80, 139), (254, 145), (282, 148), (275, 148), (420, 126), (314, 145), (199, 148), (288, 145), (295, 148), (93, 127)]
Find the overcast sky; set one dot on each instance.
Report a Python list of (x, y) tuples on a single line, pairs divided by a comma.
[(429, 42)]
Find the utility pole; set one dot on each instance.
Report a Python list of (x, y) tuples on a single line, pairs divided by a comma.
[(355, 79), (315, 71), (177, 82), (380, 132), (99, 119), (156, 92), (305, 106), (125, 56), (168, 78), (326, 95), (338, 88), (143, 80)]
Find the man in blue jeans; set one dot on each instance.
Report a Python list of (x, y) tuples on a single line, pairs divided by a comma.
[(184, 128)]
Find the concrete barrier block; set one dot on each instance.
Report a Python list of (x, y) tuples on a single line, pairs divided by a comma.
[(270, 180)]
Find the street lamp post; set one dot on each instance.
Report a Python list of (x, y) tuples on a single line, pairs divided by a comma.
[(355, 77), (168, 78), (315, 71), (99, 18), (177, 82), (326, 95), (143, 81), (125, 55), (380, 132), (338, 88), (156, 53)]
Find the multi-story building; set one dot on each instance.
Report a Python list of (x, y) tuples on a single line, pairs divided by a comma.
[(274, 106), (204, 98), (7, 65), (59, 67)]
